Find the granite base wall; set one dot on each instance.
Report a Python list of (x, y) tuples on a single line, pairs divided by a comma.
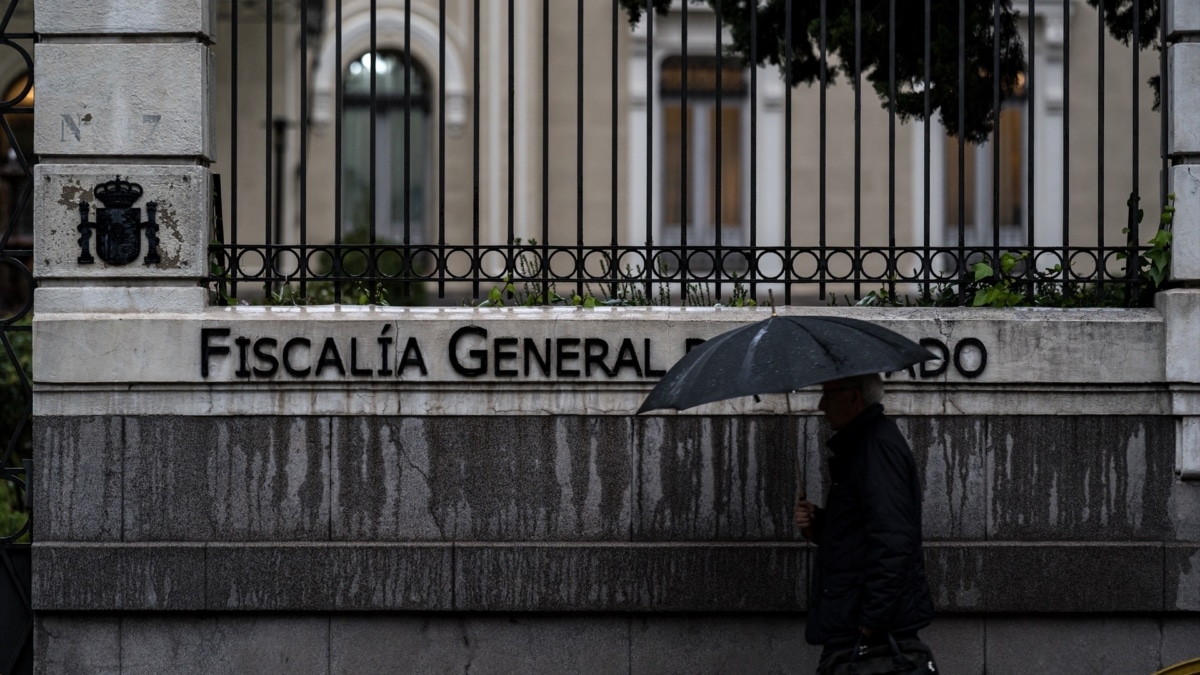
[(298, 644), (584, 543), (585, 479)]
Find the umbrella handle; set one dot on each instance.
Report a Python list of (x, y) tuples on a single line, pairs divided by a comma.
[(802, 492), (808, 531)]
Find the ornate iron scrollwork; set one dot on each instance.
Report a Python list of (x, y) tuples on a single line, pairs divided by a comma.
[(118, 240)]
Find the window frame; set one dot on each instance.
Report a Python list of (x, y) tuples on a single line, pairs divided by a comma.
[(388, 225)]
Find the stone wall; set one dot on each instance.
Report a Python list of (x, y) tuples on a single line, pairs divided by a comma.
[(211, 499), (530, 522), (1023, 514)]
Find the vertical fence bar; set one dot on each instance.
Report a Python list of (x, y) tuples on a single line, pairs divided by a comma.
[(1030, 106), (752, 262), (822, 261), (580, 268), (372, 159), (927, 261), (997, 105), (961, 259), (787, 157), (303, 257), (339, 91), (545, 266), (1134, 226), (856, 263), (649, 146), (441, 247), (269, 256), (1164, 91), (279, 125), (614, 264), (510, 258), (684, 268), (1066, 142), (406, 260), (720, 252), (1101, 268), (476, 252), (891, 258), (234, 269)]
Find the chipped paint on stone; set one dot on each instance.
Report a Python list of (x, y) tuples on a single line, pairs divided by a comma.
[(183, 197)]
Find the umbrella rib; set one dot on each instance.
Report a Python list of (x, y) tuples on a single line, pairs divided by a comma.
[(865, 331), (820, 344)]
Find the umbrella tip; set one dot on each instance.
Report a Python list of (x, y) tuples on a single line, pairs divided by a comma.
[(771, 301)]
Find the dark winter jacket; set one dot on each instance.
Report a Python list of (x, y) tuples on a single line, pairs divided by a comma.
[(870, 569)]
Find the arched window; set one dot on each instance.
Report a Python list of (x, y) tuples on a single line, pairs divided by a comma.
[(394, 104)]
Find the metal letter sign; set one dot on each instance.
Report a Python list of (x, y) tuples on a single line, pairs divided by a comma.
[(117, 239)]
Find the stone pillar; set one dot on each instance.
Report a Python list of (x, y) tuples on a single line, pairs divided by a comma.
[(125, 130), (1181, 307)]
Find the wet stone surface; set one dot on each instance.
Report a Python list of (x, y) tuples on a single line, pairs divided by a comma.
[(715, 478), (1079, 478), (481, 479), (226, 479)]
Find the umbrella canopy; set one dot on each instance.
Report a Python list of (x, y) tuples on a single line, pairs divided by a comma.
[(781, 354)]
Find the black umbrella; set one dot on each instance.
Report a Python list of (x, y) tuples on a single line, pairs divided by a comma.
[(781, 354)]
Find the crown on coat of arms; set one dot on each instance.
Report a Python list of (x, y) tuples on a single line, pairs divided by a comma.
[(118, 194)]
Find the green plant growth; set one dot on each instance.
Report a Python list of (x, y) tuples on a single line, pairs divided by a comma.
[(1013, 284), (395, 288), (1003, 289), (14, 398)]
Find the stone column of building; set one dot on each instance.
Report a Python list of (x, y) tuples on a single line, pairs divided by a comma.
[(125, 132), (1181, 307)]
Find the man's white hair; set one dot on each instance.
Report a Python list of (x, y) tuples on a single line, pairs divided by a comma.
[(870, 386)]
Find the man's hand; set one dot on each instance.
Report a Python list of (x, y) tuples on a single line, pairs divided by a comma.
[(805, 516)]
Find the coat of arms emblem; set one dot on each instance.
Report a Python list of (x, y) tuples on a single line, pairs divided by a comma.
[(117, 227)]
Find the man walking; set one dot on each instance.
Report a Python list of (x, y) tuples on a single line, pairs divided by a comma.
[(869, 577)]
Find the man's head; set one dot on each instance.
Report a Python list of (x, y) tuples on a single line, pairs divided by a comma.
[(843, 400)]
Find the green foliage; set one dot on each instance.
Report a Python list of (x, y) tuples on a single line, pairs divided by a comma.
[(1153, 264), (770, 34), (845, 37), (219, 291), (394, 285), (1014, 285), (1157, 260), (13, 514), (1001, 291), (1120, 17), (14, 398)]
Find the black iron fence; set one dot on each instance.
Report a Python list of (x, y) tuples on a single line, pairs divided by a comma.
[(630, 151), (16, 311)]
